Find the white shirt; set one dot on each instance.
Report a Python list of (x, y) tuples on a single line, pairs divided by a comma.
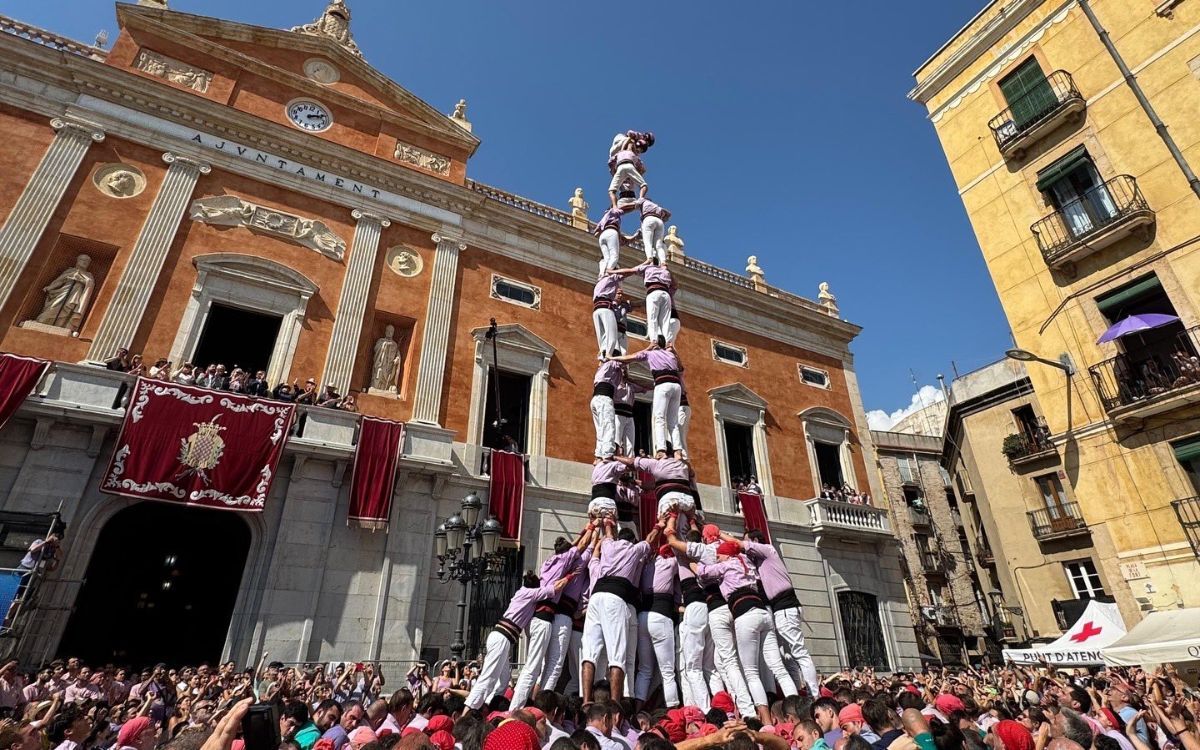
[(418, 722), (606, 742), (553, 735)]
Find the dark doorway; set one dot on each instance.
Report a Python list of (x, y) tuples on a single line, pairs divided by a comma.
[(514, 411), (237, 338), (160, 586), (829, 464), (491, 597), (862, 630), (643, 434), (739, 452)]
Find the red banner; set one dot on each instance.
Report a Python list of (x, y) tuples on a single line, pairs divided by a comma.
[(755, 512), (506, 495), (18, 377), (198, 447), (374, 477)]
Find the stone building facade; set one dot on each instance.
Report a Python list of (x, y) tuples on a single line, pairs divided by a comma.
[(1070, 131), (266, 197), (945, 601)]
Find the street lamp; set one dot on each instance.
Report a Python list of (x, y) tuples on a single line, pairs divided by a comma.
[(1024, 355), (452, 543)]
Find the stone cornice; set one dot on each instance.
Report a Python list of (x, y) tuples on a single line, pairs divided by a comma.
[(188, 30), (60, 78)]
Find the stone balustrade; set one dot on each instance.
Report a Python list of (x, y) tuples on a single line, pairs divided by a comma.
[(848, 521), (48, 39)]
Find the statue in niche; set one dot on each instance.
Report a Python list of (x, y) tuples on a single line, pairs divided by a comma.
[(385, 363), (67, 297)]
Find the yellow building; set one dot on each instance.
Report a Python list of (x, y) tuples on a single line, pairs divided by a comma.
[(1072, 128)]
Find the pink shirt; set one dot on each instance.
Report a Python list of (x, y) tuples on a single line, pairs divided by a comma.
[(520, 610), (731, 575), (610, 372), (557, 566), (621, 558), (658, 359), (663, 468)]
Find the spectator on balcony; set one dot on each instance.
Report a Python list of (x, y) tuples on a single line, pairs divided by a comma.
[(284, 392), (753, 486), (308, 396), (257, 386), (119, 362), (329, 397), (136, 366), (348, 403)]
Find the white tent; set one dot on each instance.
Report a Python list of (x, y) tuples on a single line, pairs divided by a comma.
[(1167, 636), (1099, 626)]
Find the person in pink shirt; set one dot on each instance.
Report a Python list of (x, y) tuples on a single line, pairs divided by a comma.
[(625, 162), (12, 687), (668, 376)]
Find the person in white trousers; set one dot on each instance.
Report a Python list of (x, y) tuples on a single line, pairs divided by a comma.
[(673, 324), (725, 671), (562, 564), (564, 637), (500, 642), (625, 162), (608, 376), (608, 230), (656, 627), (653, 230), (753, 628), (667, 371), (679, 436), (621, 309), (660, 290), (785, 606)]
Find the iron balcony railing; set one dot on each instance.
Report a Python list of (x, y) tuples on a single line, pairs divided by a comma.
[(1034, 107), (1188, 512), (983, 553), (1020, 446), (1056, 521), (1076, 221), (1146, 374)]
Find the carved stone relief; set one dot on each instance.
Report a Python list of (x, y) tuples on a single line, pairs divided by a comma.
[(231, 211), (404, 261), (119, 180), (419, 157), (321, 71), (170, 69)]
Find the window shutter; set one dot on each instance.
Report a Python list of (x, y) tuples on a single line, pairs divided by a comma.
[(1076, 158), (1028, 93)]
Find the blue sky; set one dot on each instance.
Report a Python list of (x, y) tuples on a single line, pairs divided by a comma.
[(783, 131)]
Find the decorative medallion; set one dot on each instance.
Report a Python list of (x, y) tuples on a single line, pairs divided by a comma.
[(404, 261), (419, 157), (321, 71), (119, 180), (170, 69)]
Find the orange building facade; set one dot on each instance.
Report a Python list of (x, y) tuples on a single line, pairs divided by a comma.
[(267, 199)]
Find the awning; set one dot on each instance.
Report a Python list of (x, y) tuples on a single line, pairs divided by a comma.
[(1167, 636), (1056, 171), (1187, 450), (1110, 304), (1099, 626)]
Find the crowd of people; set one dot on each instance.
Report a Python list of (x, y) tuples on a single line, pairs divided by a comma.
[(344, 706), (236, 380), (845, 494)]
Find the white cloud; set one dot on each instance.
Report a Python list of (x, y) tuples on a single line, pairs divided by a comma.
[(879, 419)]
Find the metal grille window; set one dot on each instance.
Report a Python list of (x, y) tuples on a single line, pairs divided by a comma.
[(907, 470), (636, 328), (862, 630), (1188, 511), (516, 292), (1085, 581), (734, 355), (810, 376), (490, 598)]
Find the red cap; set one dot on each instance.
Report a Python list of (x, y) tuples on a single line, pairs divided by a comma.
[(729, 548), (442, 740), (852, 712), (1014, 735), (710, 532), (724, 701), (439, 723), (666, 551)]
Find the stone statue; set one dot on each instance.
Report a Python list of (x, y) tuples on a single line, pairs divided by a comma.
[(406, 263), (68, 295), (755, 271), (826, 298), (333, 23), (385, 364), (674, 243), (579, 209), (460, 110)]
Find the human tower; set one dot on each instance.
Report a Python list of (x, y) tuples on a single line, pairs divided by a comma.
[(700, 610)]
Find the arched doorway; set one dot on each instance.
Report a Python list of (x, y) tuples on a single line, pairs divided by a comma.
[(160, 586)]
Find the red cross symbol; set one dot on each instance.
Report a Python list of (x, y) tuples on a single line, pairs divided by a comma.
[(1089, 629)]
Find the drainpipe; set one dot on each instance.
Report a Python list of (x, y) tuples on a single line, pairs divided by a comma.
[(1132, 82)]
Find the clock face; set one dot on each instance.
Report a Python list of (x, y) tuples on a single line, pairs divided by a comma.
[(308, 115)]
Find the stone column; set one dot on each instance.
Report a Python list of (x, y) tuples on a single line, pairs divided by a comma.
[(27, 222), (436, 336), (128, 303), (352, 302)]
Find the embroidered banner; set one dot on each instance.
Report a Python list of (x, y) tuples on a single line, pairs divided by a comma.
[(755, 512), (374, 476), (198, 447), (506, 496), (18, 377)]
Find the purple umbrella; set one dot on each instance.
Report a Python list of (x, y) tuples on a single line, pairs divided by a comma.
[(1136, 323)]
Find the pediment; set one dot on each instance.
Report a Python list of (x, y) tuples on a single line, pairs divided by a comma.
[(257, 271), (737, 393), (516, 336), (280, 54), (821, 414)]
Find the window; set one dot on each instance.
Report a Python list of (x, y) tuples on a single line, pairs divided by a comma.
[(935, 596), (739, 452), (1028, 93), (1026, 421), (740, 421), (811, 376), (523, 361), (512, 431), (643, 435), (1187, 453), (908, 470), (728, 353), (1053, 496), (1076, 190), (913, 498), (1085, 581), (515, 292), (945, 476), (636, 328)]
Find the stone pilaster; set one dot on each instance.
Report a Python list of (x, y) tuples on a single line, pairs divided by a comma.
[(27, 222), (436, 336), (352, 302), (124, 313)]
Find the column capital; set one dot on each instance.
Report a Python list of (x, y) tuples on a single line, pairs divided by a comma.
[(202, 167), (441, 239), (78, 127), (360, 215)]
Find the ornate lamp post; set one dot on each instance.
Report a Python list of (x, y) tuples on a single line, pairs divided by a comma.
[(452, 544)]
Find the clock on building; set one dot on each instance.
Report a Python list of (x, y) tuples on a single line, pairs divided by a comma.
[(308, 115)]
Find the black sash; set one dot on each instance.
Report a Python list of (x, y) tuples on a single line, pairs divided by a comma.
[(618, 585), (657, 286), (663, 486), (714, 597), (566, 606), (607, 489), (544, 610), (692, 592), (603, 389), (664, 604), (785, 600), (509, 630), (745, 599), (602, 303), (623, 410), (665, 376)]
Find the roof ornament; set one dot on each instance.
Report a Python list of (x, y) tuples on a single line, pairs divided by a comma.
[(153, 3), (334, 23)]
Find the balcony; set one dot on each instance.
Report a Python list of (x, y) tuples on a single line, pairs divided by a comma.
[(1035, 114), (1061, 522), (1022, 449), (1188, 513), (984, 554), (930, 561), (847, 521), (1101, 216), (1152, 380), (918, 515)]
